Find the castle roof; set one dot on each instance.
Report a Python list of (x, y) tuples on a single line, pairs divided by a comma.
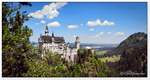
[(48, 39)]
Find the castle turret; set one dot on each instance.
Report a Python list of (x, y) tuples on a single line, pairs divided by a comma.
[(46, 30), (53, 38), (52, 34), (77, 43)]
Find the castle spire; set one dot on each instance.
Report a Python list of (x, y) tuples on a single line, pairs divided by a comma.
[(52, 34), (46, 30), (53, 38)]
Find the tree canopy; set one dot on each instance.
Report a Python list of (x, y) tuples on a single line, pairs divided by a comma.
[(15, 40)]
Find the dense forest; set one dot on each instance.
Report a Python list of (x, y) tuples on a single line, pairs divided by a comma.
[(21, 59)]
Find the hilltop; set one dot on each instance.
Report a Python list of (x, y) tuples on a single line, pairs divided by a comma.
[(133, 55)]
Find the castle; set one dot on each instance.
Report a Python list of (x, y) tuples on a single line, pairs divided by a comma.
[(57, 45)]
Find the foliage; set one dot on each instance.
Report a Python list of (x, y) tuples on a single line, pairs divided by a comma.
[(54, 66), (37, 69), (15, 41), (114, 58), (53, 58), (51, 66), (88, 65), (99, 53)]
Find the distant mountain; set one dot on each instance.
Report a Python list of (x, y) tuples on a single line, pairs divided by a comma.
[(133, 53), (135, 40)]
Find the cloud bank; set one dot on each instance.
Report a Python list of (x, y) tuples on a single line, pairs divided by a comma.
[(54, 24), (50, 11), (119, 33), (99, 22), (72, 26)]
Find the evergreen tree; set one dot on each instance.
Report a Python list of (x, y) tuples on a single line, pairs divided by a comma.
[(15, 40)]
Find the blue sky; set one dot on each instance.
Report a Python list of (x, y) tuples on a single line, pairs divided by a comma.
[(101, 23)]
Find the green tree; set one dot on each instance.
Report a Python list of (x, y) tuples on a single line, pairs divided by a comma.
[(88, 65), (15, 40), (50, 66)]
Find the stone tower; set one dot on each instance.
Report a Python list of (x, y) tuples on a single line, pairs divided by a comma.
[(77, 43)]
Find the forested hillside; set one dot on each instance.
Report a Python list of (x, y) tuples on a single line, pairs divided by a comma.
[(133, 55)]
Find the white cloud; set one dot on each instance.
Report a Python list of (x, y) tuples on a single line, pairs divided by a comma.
[(100, 23), (107, 23), (54, 24), (38, 14), (50, 11), (72, 26), (119, 33), (91, 29), (42, 21)]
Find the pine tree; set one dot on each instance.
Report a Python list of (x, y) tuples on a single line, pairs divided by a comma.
[(15, 40)]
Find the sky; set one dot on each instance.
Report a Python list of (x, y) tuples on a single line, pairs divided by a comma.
[(98, 23)]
